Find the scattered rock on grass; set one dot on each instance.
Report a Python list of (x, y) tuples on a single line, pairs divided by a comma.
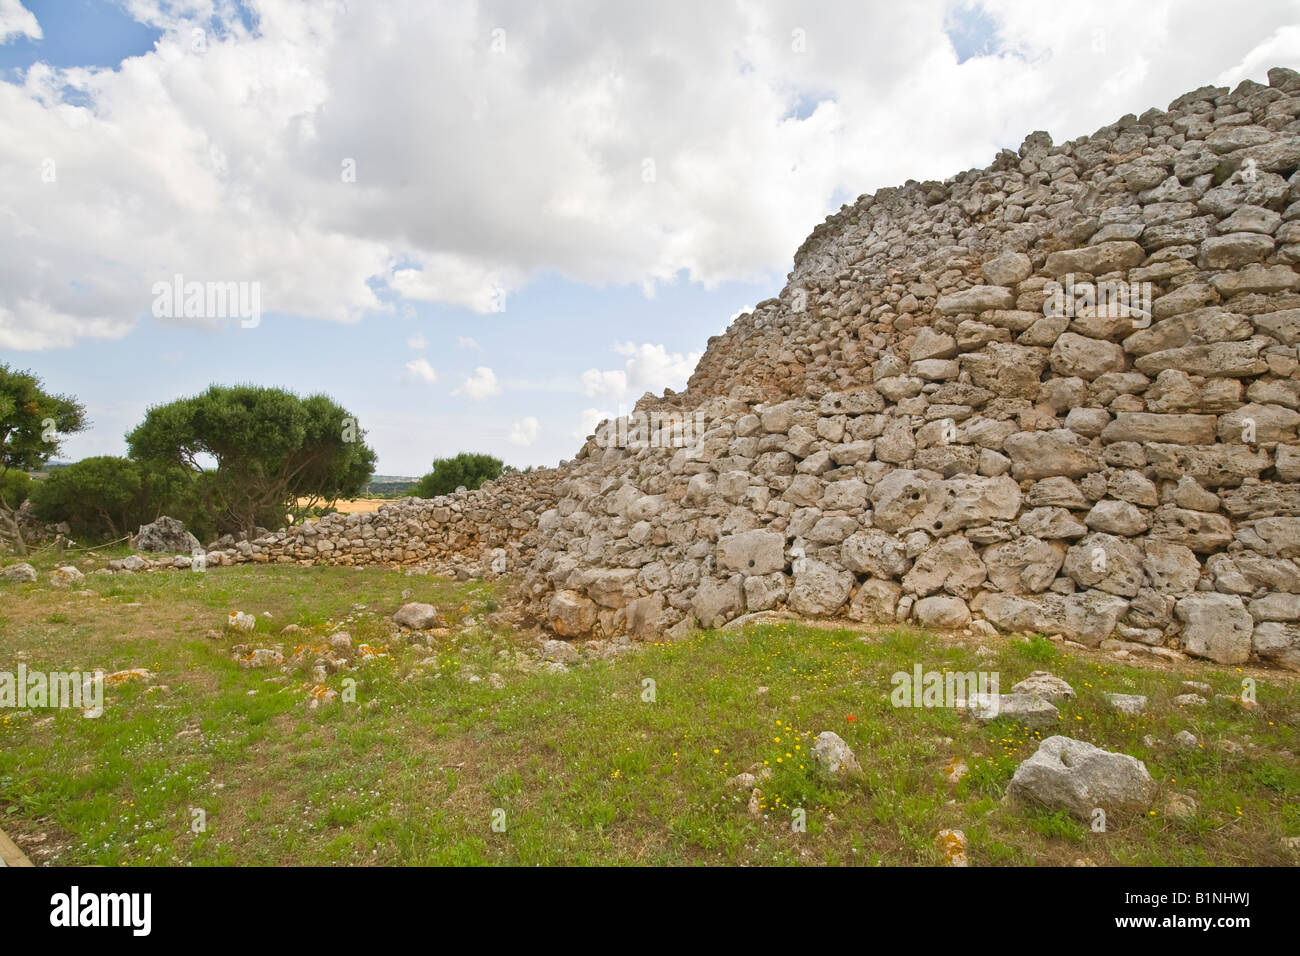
[(416, 616), (1046, 685), (21, 573), (1073, 775), (1180, 806), (261, 657), (1132, 704), (66, 576), (952, 844), (239, 621), (834, 758)]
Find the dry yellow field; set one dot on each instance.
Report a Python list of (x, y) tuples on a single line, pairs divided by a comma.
[(355, 506)]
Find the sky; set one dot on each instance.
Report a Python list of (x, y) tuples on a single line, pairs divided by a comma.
[(485, 226)]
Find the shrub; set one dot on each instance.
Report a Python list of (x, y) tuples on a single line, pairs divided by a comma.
[(15, 488), (109, 497), (466, 469), (271, 448)]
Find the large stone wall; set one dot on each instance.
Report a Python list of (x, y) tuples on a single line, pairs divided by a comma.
[(912, 431), (934, 422)]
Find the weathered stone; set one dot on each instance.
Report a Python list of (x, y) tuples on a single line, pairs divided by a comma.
[(1085, 357), (876, 602), (1116, 517), (1278, 643), (1025, 565), (1171, 568), (942, 611), (416, 616), (875, 553), (1071, 775), (951, 565), (1046, 685), (22, 573), (1007, 269), (1096, 260), (1012, 371), (716, 602), (166, 534), (819, 589), (1230, 359), (979, 298), (766, 592), (1198, 530), (1089, 617), (1216, 626), (66, 576), (752, 552), (834, 759), (1213, 466), (1131, 704), (570, 614), (1050, 453), (1145, 427)]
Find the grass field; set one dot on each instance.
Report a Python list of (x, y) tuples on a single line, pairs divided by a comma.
[(576, 767)]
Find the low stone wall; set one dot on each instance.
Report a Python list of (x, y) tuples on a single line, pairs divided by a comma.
[(467, 528)]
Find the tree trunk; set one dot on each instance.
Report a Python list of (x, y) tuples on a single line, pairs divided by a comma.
[(14, 531)]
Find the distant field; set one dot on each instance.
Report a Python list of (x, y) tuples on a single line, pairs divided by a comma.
[(355, 506)]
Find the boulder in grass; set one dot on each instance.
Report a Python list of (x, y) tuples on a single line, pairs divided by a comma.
[(418, 617), (239, 621), (1073, 775), (21, 573), (166, 534), (1131, 704), (66, 576), (1046, 685), (835, 758)]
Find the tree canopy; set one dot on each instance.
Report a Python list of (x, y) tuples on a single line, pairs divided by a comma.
[(255, 451), (32, 420), (31, 423)]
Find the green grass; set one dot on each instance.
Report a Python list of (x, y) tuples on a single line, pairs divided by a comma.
[(579, 767)]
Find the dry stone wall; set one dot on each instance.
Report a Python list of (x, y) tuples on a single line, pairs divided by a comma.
[(1059, 394), (491, 530)]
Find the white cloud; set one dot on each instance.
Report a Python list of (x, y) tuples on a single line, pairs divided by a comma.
[(524, 432), (417, 343), (466, 342), (482, 384), (612, 383), (17, 21), (648, 368), (591, 417), (422, 370), (454, 280), (237, 163)]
